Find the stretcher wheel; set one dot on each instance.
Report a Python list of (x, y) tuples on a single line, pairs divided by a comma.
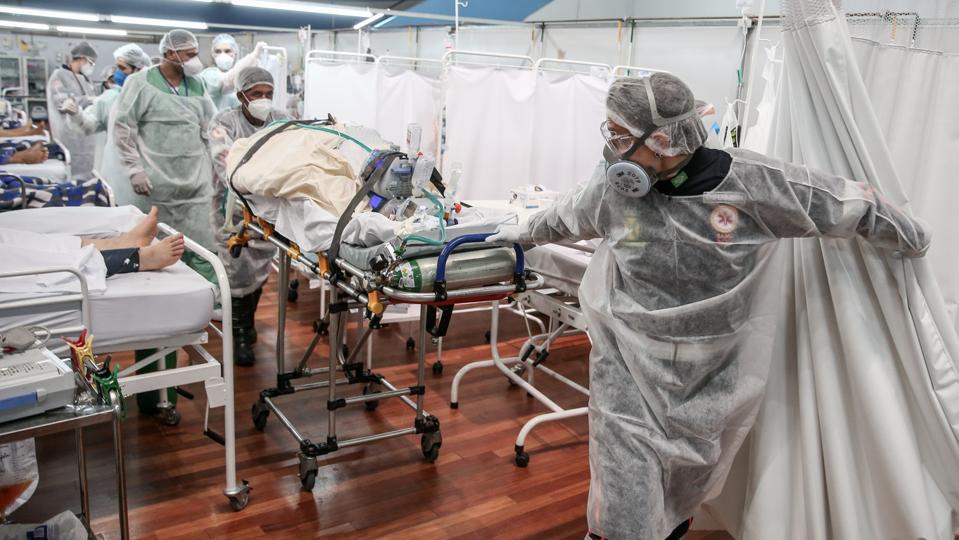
[(292, 294), (308, 480), (295, 284), (437, 368), (260, 413), (522, 459), (488, 336), (430, 443), (410, 344), (235, 251)]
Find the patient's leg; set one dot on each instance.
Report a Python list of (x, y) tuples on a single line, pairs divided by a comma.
[(142, 259), (139, 236)]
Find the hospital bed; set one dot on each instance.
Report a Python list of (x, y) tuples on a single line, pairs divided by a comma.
[(57, 167), (562, 268), (364, 278), (167, 310)]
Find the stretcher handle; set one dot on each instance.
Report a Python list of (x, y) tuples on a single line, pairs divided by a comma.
[(472, 239), (439, 285)]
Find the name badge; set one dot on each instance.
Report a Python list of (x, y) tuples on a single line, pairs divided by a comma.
[(724, 197)]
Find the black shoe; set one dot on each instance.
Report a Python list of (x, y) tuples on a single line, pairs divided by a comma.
[(243, 338)]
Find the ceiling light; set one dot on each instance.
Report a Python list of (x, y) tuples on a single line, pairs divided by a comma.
[(84, 30), (305, 7), (93, 17), (170, 23), (384, 21), (24, 25), (365, 22)]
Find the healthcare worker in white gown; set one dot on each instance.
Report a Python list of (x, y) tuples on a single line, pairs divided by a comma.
[(680, 296), (70, 87), (248, 272), (97, 118), (220, 78)]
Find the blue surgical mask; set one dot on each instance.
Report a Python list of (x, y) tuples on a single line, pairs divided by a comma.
[(119, 76)]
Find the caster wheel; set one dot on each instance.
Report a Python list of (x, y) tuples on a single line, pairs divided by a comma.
[(308, 480), (260, 413), (292, 294), (410, 344), (522, 459), (235, 251), (172, 418), (239, 501), (295, 284), (488, 336), (437, 368), (370, 405), (430, 443)]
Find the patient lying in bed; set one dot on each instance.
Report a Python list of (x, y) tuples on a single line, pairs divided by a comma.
[(95, 258)]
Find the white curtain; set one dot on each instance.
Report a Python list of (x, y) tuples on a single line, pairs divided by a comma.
[(569, 108), (407, 97), (489, 129), (858, 436), (347, 91), (917, 89)]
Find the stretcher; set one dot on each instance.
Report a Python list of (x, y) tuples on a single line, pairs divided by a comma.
[(561, 268), (436, 276)]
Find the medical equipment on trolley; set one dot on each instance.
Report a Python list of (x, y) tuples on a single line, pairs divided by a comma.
[(33, 381), (427, 255)]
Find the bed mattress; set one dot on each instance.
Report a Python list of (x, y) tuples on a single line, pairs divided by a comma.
[(136, 307), (51, 169), (562, 267)]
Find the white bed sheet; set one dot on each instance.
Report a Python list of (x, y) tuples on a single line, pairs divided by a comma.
[(562, 267), (51, 169), (135, 307)]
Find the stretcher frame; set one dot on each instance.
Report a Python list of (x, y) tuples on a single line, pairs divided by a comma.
[(217, 376), (565, 317), (353, 288)]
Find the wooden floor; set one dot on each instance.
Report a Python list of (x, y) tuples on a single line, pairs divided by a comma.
[(379, 490)]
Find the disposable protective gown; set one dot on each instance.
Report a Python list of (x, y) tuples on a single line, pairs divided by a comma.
[(680, 300), (164, 134), (65, 84)]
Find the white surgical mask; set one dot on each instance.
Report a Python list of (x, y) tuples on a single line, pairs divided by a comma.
[(260, 109), (87, 70), (224, 61), (191, 67)]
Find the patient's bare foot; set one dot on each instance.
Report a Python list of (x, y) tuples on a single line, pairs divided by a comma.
[(37, 153), (144, 232), (162, 254)]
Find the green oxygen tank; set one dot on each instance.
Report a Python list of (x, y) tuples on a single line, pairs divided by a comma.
[(463, 269)]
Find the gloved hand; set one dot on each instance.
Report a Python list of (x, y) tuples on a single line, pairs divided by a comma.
[(260, 45), (141, 184), (69, 106), (510, 233)]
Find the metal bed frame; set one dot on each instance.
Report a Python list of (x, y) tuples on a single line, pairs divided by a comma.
[(217, 382), (353, 288), (565, 317)]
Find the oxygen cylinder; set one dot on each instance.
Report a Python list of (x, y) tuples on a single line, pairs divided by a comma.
[(464, 269)]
